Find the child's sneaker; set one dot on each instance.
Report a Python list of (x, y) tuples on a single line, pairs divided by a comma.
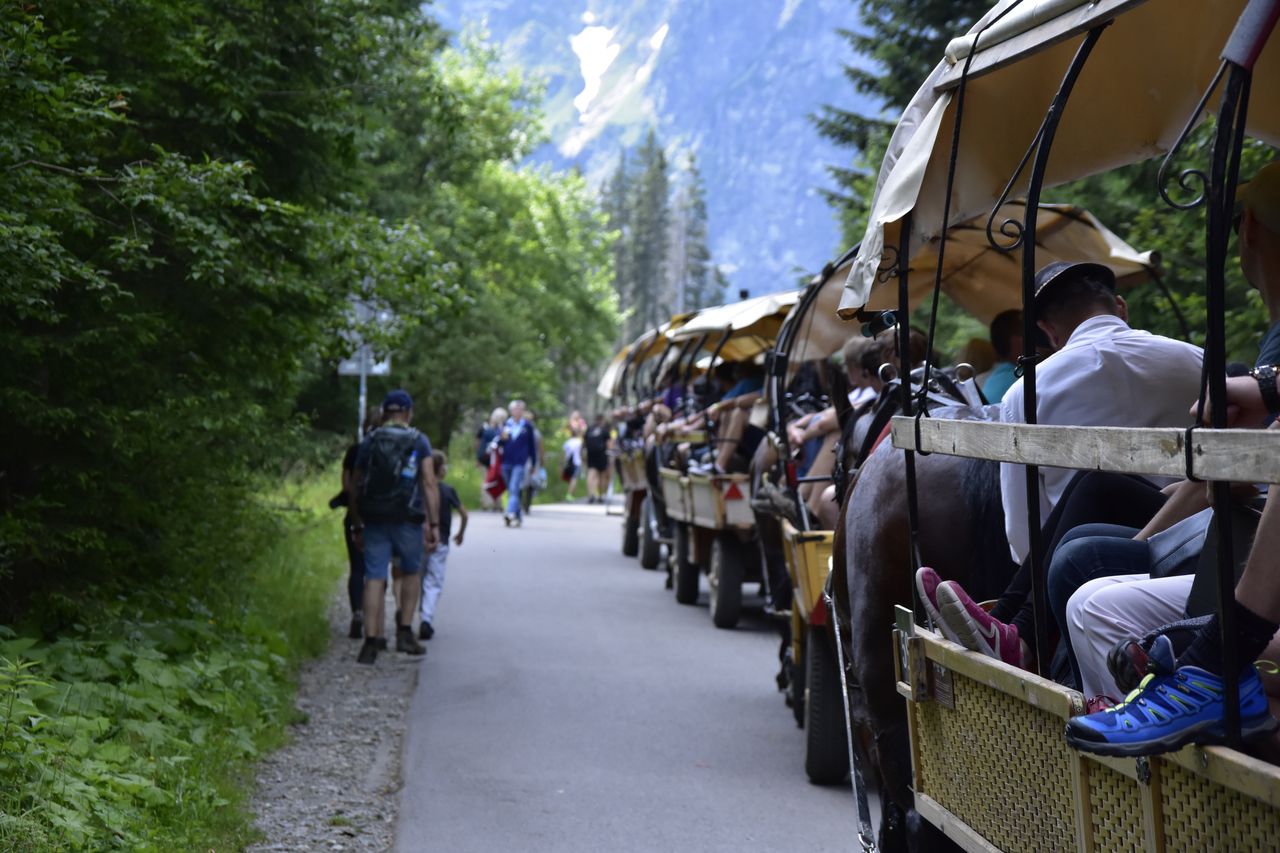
[(927, 581), (976, 630)]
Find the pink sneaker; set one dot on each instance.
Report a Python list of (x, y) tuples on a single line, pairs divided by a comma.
[(976, 629), (927, 581)]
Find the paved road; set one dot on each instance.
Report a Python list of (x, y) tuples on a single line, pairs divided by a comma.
[(569, 704)]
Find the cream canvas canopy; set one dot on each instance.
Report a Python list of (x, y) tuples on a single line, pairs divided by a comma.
[(643, 348), (1142, 82), (753, 323), (981, 280)]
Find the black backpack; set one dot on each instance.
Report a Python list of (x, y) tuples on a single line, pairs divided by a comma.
[(391, 476)]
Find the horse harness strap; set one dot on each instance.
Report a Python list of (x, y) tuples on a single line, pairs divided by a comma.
[(866, 833)]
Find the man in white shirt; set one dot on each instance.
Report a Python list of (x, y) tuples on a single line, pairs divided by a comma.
[(1102, 374)]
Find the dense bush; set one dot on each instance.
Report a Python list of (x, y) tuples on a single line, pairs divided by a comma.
[(193, 195)]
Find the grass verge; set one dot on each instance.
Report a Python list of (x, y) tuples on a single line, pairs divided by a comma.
[(137, 728)]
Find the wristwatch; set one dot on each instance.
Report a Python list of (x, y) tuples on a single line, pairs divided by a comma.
[(1265, 375)]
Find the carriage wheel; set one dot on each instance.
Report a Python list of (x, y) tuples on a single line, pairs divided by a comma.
[(650, 547), (826, 746), (630, 533), (686, 581), (725, 575)]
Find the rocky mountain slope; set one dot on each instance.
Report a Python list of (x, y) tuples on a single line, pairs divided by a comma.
[(732, 80)]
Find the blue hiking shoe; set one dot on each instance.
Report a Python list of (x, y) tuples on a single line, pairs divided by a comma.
[(1169, 710)]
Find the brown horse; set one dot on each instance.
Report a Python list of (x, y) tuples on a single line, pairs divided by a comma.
[(962, 537)]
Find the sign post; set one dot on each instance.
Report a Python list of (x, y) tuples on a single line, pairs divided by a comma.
[(364, 366)]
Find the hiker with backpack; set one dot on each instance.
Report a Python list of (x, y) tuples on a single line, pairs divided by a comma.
[(395, 511)]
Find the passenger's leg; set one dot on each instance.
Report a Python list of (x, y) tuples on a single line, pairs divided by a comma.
[(730, 434), (1082, 558), (823, 464), (1106, 610), (1097, 498)]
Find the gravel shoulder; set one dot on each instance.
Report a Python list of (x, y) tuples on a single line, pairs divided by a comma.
[(336, 784)]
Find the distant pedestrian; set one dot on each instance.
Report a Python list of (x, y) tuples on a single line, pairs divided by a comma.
[(571, 450), (355, 559), (486, 448), (596, 444), (536, 480), (395, 508), (519, 452), (433, 577)]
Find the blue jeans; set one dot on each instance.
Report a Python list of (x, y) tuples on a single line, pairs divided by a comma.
[(1087, 552), (515, 477), (381, 541)]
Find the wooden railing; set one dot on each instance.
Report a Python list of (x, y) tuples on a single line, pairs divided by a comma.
[(1235, 455)]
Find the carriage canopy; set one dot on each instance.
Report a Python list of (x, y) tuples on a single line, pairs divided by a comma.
[(1130, 103)]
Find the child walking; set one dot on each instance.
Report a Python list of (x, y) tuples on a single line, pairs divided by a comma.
[(433, 577)]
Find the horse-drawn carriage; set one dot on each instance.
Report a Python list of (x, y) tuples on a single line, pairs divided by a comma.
[(629, 376), (713, 526), (981, 281), (1038, 95)]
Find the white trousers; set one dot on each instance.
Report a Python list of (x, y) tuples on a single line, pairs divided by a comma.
[(1105, 611), (433, 580)]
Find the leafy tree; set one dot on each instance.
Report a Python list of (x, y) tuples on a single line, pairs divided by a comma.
[(695, 284), (650, 215)]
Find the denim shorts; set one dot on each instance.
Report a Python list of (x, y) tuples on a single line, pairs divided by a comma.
[(382, 541)]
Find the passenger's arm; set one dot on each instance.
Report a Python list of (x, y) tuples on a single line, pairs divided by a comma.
[(1187, 498)]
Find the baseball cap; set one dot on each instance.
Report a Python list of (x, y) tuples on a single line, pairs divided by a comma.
[(1061, 271), (397, 401), (1262, 196)]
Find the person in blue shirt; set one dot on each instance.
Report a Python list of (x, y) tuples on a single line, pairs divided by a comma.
[(1006, 339), (519, 450)]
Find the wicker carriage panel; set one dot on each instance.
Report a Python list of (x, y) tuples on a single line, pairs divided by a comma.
[(1115, 806), (1000, 765), (1201, 815)]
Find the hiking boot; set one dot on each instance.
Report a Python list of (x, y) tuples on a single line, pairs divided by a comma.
[(368, 651), (425, 631), (356, 631), (977, 631), (506, 519), (1169, 711), (927, 581), (405, 642)]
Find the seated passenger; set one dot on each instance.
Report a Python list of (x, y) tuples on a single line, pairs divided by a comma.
[(1006, 339), (1103, 374), (1189, 693), (736, 438)]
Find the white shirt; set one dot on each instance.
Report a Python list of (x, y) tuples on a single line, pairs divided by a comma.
[(1107, 375)]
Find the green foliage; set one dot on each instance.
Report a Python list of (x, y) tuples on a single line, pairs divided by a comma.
[(135, 728), (662, 259)]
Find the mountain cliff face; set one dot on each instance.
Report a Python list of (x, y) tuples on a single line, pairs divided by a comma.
[(733, 81)]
